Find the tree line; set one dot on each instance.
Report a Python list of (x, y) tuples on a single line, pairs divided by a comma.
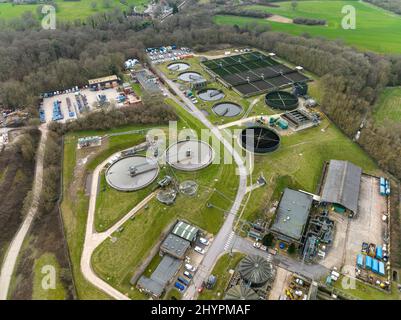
[(37, 60)]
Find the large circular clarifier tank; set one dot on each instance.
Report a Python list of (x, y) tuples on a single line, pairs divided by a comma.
[(178, 66), (190, 76), (132, 173), (189, 155), (211, 94), (281, 100), (259, 139), (227, 109)]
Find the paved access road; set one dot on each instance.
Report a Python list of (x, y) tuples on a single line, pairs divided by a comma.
[(311, 271), (225, 234), (15, 246)]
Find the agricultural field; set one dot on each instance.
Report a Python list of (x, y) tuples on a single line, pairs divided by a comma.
[(68, 10), (376, 29), (388, 106)]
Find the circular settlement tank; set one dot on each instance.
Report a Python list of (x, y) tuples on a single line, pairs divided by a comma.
[(178, 66), (189, 155), (259, 139), (255, 270), (281, 100), (227, 109), (241, 292), (190, 76), (211, 94), (132, 173)]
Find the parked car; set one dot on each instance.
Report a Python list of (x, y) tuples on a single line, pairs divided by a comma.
[(179, 286), (199, 250), (187, 274), (190, 267), (204, 241), (183, 281)]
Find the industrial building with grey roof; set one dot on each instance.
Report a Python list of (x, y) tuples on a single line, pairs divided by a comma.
[(292, 215), (162, 275), (342, 184), (175, 246)]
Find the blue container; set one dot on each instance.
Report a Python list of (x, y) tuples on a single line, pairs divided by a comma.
[(282, 245), (382, 181), (379, 252), (375, 266), (382, 190), (359, 260), (382, 271), (369, 262)]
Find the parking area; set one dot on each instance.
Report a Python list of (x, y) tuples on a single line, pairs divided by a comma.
[(161, 55), (367, 226), (74, 104), (193, 258)]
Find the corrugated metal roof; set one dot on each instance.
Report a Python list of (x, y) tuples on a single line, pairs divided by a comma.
[(342, 184), (185, 231), (292, 213)]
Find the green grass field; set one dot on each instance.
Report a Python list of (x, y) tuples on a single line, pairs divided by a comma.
[(66, 10), (388, 106), (221, 271), (116, 262), (376, 29)]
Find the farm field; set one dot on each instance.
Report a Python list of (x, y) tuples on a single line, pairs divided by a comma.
[(376, 29), (66, 10), (388, 106)]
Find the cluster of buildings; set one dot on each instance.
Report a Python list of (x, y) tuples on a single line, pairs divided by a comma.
[(174, 250)]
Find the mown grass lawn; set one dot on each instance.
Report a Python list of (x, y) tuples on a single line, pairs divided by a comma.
[(376, 29), (221, 271), (367, 292), (67, 10), (388, 106)]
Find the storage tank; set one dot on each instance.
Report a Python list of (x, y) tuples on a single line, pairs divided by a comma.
[(240, 292), (255, 270)]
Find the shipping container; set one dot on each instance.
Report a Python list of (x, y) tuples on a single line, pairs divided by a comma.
[(375, 266), (381, 268), (379, 252), (382, 190), (368, 263), (382, 181), (359, 260)]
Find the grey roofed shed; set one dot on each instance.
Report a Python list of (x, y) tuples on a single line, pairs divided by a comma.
[(292, 214), (175, 246), (342, 184), (164, 272)]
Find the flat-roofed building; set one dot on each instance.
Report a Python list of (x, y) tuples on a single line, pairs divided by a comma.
[(292, 216), (163, 274), (175, 246)]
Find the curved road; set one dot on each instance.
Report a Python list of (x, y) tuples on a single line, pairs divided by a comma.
[(224, 236), (13, 251), (220, 243)]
